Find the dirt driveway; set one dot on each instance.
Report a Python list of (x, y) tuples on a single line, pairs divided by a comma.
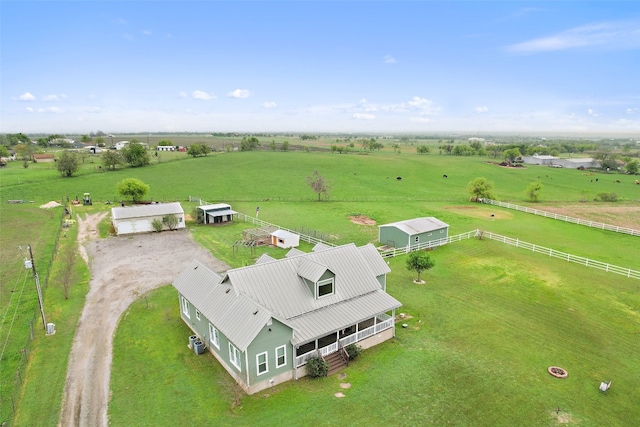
[(121, 269)]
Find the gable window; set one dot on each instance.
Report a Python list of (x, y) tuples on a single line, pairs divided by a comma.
[(213, 336), (281, 356), (430, 234), (261, 363), (198, 314), (185, 307), (441, 231), (234, 356), (325, 287)]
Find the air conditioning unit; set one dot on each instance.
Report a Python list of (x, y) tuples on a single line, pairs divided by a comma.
[(192, 339), (198, 347)]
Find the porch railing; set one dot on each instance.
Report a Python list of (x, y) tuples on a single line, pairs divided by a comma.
[(386, 323)]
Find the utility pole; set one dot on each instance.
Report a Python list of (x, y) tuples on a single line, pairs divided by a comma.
[(31, 264)]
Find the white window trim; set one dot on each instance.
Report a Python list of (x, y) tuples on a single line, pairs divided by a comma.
[(266, 363), (213, 336), (323, 283), (234, 356), (284, 352), (185, 307)]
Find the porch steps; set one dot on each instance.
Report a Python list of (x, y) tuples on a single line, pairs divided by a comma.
[(336, 363)]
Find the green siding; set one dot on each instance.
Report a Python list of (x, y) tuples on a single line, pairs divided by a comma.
[(395, 237), (269, 338)]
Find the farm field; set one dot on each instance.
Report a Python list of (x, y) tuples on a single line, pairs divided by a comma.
[(368, 185)]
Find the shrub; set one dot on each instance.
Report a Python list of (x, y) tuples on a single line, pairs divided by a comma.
[(112, 230), (353, 351), (157, 225), (317, 367), (198, 214), (607, 197)]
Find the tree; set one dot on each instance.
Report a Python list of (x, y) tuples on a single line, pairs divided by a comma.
[(512, 154), (481, 188), (133, 188), (3, 151), (165, 143), (135, 154), (272, 145), (422, 149), (111, 159), (25, 151), (85, 138), (170, 221), (67, 164), (284, 146), (249, 143), (533, 191), (419, 261), (157, 225), (99, 141), (319, 185), (196, 150), (632, 167)]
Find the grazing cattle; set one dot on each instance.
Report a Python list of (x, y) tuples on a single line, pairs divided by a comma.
[(637, 182), (445, 176), (597, 179), (399, 178), (617, 181)]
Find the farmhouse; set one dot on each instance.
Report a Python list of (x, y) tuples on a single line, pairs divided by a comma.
[(217, 214), (417, 232), (263, 322), (139, 218), (285, 239)]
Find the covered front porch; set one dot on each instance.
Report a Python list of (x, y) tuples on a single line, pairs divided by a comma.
[(332, 342)]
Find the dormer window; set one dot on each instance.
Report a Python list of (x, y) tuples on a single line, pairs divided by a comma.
[(325, 288)]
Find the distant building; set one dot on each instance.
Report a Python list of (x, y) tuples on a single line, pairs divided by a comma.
[(139, 218), (413, 232)]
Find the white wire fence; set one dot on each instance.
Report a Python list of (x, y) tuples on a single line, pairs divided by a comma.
[(565, 218)]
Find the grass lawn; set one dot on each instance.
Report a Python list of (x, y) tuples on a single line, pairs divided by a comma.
[(486, 326), (481, 334)]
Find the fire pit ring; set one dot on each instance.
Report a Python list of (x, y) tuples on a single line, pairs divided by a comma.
[(558, 372)]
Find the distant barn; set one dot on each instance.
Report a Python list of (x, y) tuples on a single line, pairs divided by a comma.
[(139, 218), (412, 232)]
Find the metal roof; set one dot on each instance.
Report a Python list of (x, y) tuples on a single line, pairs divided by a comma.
[(237, 317), (294, 252), (215, 206), (264, 258), (278, 286), (241, 302), (320, 247), (221, 213), (284, 234), (311, 270), (140, 211), (418, 225)]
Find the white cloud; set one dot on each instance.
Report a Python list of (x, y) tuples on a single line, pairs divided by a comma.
[(592, 112), (631, 110), (94, 110), (182, 94), (609, 35), (54, 97), (122, 21), (420, 119), (269, 105), (50, 110), (204, 96), (27, 96), (363, 116), (146, 32), (388, 59), (482, 109), (29, 110), (239, 93)]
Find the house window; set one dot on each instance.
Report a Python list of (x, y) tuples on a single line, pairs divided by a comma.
[(430, 234), (197, 314), (234, 356), (441, 231), (325, 287), (281, 356), (180, 219), (261, 363), (416, 239), (213, 336), (185, 307)]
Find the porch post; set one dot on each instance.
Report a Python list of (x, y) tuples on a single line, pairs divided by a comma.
[(393, 316)]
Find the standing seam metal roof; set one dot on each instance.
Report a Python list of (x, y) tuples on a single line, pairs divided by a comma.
[(418, 225), (140, 211)]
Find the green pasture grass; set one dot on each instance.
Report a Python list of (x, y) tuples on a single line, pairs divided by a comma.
[(257, 176), (22, 225), (480, 336), (42, 393)]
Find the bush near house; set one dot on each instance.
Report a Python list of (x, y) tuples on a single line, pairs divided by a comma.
[(317, 367)]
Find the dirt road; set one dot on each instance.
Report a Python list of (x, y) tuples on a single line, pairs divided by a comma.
[(122, 268)]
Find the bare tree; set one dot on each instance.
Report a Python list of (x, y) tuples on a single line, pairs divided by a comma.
[(319, 185)]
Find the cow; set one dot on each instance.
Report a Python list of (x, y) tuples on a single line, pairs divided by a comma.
[(637, 182), (445, 176)]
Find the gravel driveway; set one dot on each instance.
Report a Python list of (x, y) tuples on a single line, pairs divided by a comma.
[(122, 268)]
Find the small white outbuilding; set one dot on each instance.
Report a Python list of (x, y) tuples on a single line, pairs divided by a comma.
[(139, 218), (285, 239)]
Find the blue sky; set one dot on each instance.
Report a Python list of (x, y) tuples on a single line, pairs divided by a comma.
[(325, 66)]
